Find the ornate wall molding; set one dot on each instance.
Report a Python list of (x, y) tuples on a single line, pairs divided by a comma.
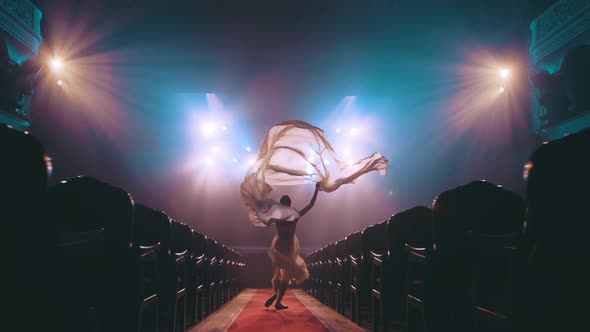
[(557, 26), (563, 26), (22, 21)]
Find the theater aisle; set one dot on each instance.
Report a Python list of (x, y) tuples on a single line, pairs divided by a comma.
[(247, 313)]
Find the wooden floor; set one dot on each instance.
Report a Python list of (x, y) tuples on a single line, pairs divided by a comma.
[(223, 318)]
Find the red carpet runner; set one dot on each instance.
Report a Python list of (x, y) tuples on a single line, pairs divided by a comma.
[(255, 317)]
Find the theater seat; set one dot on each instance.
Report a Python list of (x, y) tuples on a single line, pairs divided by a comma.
[(153, 238), (409, 235), (481, 208), (553, 293), (96, 261), (28, 239)]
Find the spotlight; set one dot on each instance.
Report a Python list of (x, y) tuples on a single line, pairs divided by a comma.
[(56, 64), (248, 149), (504, 73), (60, 82), (338, 131), (235, 160), (502, 89), (208, 129)]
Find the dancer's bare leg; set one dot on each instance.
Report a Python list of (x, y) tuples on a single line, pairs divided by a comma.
[(282, 291), (276, 282)]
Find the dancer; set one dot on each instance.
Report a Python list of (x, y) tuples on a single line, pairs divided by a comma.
[(287, 265)]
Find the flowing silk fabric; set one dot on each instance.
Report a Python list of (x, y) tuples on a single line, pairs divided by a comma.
[(297, 153)]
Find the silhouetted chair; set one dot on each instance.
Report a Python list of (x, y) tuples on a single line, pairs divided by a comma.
[(411, 227), (354, 248), (478, 207), (552, 295), (197, 283), (24, 173), (494, 267), (417, 270), (341, 280), (96, 260), (374, 255), (153, 236), (213, 252), (181, 246), (330, 268)]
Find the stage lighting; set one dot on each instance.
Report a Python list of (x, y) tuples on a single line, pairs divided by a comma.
[(502, 89), (215, 149), (251, 161), (248, 149), (224, 128), (209, 161), (353, 131), (235, 160), (346, 152), (60, 82), (208, 129), (56, 64), (338, 131), (504, 73)]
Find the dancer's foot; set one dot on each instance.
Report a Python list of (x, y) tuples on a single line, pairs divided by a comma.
[(280, 306), (270, 300)]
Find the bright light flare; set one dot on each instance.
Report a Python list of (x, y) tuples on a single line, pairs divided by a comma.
[(504, 73), (208, 129), (60, 82), (56, 64)]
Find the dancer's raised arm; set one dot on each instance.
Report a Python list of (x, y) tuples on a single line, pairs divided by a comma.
[(312, 202)]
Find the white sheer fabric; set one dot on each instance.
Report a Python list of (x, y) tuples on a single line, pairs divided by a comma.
[(296, 153)]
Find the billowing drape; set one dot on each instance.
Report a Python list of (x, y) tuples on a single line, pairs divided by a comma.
[(296, 153)]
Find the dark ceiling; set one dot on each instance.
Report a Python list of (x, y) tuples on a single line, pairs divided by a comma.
[(338, 45)]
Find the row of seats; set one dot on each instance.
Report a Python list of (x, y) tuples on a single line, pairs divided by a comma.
[(117, 265), (480, 259)]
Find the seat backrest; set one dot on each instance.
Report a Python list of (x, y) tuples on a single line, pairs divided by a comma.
[(413, 227), (478, 206), (152, 227), (373, 240), (25, 169), (354, 245), (494, 266), (84, 203), (181, 237), (340, 250), (199, 244), (556, 231)]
